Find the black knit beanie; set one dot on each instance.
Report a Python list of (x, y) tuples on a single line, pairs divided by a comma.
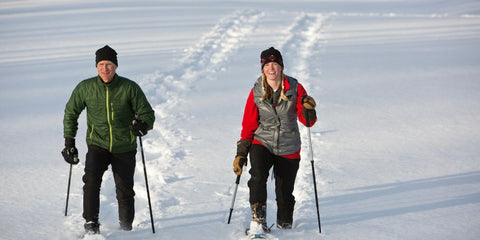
[(106, 53), (271, 55)]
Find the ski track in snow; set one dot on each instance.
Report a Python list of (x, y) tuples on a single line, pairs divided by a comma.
[(304, 39), (169, 91)]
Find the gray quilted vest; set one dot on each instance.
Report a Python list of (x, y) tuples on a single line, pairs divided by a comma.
[(278, 128)]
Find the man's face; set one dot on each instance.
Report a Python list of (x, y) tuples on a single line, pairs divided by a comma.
[(106, 70)]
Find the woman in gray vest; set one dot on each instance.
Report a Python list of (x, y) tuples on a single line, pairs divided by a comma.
[(270, 134)]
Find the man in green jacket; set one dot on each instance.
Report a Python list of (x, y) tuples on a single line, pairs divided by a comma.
[(117, 112)]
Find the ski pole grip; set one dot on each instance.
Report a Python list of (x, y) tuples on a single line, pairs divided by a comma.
[(308, 117), (237, 181)]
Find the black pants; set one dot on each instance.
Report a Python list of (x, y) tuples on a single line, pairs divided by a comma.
[(123, 167), (285, 171)]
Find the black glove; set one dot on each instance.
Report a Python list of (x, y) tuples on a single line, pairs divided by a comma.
[(243, 147), (139, 127), (309, 115), (70, 152)]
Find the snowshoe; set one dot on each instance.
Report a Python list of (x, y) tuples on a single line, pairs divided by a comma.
[(256, 230)]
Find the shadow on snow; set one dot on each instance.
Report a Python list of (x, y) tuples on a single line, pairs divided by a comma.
[(400, 198)]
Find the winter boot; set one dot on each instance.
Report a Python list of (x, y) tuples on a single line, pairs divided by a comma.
[(92, 227), (125, 226), (284, 225), (259, 216)]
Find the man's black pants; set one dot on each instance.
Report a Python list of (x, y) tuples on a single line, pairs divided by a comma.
[(123, 168), (285, 171)]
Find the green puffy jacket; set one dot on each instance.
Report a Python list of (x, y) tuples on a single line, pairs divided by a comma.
[(111, 108)]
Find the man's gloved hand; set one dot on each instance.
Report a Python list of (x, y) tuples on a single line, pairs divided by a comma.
[(70, 152), (243, 147), (139, 127)]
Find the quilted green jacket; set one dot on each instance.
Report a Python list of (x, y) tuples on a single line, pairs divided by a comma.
[(111, 108)]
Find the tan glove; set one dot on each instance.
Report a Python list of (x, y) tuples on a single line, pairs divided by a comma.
[(243, 147), (308, 102), (238, 164)]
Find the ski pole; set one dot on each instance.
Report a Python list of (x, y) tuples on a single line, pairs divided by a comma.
[(313, 174), (68, 189), (237, 181), (146, 184)]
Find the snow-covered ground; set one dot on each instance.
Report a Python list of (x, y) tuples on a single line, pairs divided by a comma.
[(396, 148)]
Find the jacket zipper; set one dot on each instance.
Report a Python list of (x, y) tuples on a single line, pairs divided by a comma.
[(276, 133), (108, 119), (91, 133)]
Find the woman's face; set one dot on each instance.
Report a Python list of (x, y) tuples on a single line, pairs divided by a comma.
[(272, 70)]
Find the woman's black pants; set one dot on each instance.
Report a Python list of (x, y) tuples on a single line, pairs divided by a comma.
[(285, 171)]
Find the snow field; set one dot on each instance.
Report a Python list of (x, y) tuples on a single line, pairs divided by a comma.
[(395, 147)]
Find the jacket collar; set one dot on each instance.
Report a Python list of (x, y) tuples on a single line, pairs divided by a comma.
[(286, 84), (114, 82)]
